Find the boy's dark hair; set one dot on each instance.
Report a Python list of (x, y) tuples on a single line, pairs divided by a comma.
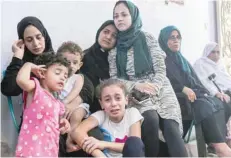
[(110, 82), (50, 58), (70, 47)]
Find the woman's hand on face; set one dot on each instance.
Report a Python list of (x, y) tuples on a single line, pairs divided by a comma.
[(190, 94), (89, 144), (18, 48), (148, 88)]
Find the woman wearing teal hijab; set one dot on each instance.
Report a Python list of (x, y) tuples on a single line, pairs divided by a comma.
[(139, 62), (209, 111)]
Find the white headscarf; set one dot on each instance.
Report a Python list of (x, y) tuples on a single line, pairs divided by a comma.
[(209, 48), (205, 67)]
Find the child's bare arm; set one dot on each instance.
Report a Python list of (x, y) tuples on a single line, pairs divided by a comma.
[(135, 129), (76, 89), (23, 77), (80, 133), (98, 153), (76, 117)]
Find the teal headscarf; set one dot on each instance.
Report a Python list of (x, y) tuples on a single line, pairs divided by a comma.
[(165, 33), (133, 37)]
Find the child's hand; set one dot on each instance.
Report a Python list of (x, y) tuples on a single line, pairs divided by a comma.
[(18, 48), (68, 113), (89, 144), (37, 70), (65, 126)]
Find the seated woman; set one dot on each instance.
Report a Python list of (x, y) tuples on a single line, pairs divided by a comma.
[(209, 64), (33, 41), (211, 71), (209, 110), (95, 63), (138, 61)]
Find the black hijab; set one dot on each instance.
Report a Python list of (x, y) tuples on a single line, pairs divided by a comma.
[(30, 20), (95, 62)]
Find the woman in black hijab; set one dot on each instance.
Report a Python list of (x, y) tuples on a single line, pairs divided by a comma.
[(95, 63), (33, 41)]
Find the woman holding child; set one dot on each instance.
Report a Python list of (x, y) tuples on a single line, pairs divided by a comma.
[(162, 105)]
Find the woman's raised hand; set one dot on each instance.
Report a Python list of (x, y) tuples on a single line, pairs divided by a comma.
[(18, 48)]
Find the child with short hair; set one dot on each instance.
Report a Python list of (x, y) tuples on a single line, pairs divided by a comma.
[(70, 94), (42, 122), (122, 126), (76, 110)]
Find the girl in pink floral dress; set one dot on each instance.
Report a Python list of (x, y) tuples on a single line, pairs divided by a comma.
[(39, 135)]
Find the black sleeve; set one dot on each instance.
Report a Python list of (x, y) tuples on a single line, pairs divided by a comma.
[(87, 92), (9, 86), (176, 85), (88, 70)]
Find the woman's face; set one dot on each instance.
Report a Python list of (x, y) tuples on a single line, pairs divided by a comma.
[(107, 37), (174, 41), (34, 40), (215, 54), (122, 17)]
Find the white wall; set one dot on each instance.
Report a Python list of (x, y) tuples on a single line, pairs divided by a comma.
[(79, 21)]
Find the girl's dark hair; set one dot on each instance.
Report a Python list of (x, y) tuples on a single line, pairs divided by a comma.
[(50, 58), (110, 82)]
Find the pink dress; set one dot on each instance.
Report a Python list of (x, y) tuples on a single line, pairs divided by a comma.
[(39, 135)]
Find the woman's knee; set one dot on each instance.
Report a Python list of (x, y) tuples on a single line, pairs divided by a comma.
[(133, 147), (151, 119), (170, 127)]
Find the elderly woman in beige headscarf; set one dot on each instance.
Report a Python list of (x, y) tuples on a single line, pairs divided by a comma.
[(211, 71)]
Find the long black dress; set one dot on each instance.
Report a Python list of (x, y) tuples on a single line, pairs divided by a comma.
[(208, 110)]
